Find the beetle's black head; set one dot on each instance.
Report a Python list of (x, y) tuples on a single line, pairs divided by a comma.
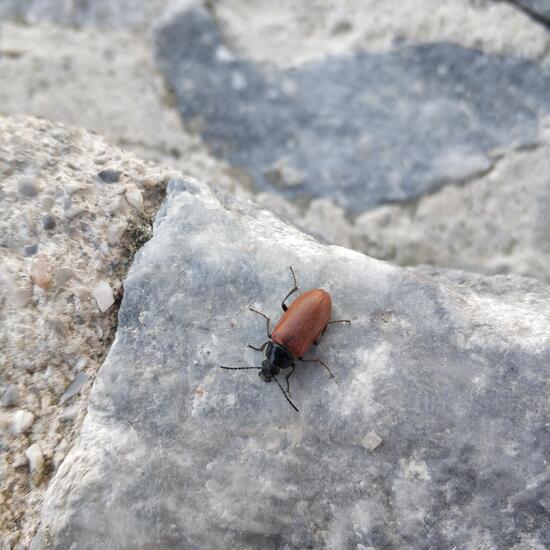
[(268, 371), (278, 355)]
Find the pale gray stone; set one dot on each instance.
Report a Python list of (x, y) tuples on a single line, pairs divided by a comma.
[(450, 369), (76, 385), (363, 129)]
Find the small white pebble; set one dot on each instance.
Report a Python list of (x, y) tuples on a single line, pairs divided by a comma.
[(68, 415), (135, 198), (36, 459), (104, 248), (21, 421), (81, 362), (371, 441), (103, 295), (79, 380), (19, 461)]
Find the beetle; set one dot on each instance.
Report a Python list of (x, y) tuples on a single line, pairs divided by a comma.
[(302, 325)]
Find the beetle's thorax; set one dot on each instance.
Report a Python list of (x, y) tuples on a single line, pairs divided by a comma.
[(278, 355)]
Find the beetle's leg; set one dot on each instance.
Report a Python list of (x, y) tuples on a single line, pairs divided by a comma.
[(318, 341), (317, 361), (294, 289), (288, 376), (265, 317), (258, 349), (325, 329)]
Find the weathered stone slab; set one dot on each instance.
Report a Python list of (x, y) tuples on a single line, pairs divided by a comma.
[(450, 370), (360, 129)]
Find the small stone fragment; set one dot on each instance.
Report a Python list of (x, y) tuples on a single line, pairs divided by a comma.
[(27, 187), (31, 250), (21, 296), (21, 421), (81, 362), (10, 395), (62, 275), (73, 212), (109, 175), (135, 198), (75, 188), (371, 441), (79, 380), (36, 458), (47, 202), (39, 272), (69, 414), (103, 294), (115, 233), (48, 222), (18, 462)]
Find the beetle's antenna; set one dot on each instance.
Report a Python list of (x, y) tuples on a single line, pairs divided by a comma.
[(239, 368), (286, 396)]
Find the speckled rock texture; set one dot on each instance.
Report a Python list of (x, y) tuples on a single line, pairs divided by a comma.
[(67, 237), (449, 370), (120, 14)]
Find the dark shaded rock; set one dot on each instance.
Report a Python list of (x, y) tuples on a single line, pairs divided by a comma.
[(449, 369), (363, 129), (32, 249), (48, 222), (109, 175)]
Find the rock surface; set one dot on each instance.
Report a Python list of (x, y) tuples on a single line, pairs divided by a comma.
[(493, 224), (360, 129), (538, 8), (97, 53), (449, 369), (54, 335), (51, 72), (292, 33)]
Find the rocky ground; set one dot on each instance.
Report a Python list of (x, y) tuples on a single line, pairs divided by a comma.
[(415, 131), (74, 212), (433, 433)]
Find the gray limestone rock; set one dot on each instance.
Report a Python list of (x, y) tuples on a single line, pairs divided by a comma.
[(361, 129), (538, 8), (450, 370)]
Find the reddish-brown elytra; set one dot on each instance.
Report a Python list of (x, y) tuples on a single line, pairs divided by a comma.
[(301, 325)]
